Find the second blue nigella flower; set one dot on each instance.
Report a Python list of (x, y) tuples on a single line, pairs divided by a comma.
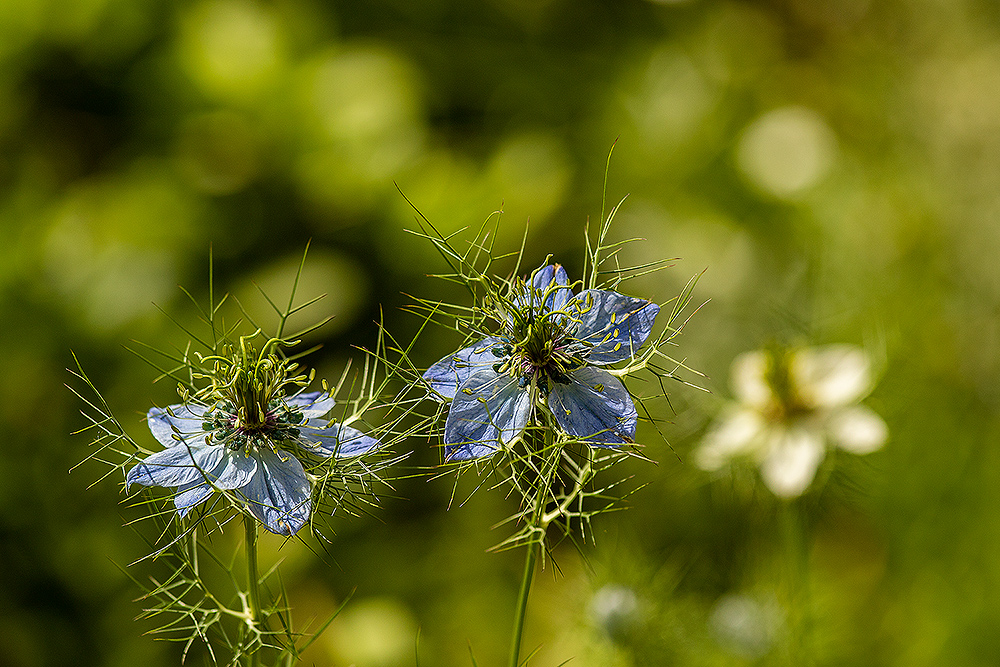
[(549, 352)]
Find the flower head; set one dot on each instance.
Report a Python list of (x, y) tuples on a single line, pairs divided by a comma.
[(790, 406), (549, 351), (244, 435)]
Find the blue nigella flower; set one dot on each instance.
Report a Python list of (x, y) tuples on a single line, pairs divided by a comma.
[(549, 352), (222, 447)]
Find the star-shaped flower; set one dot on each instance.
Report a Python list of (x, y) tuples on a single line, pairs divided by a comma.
[(550, 352), (220, 447), (790, 407)]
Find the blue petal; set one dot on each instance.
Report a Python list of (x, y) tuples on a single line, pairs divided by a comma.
[(278, 494), (176, 466), (312, 403), (234, 470), (489, 411), (594, 406), (344, 441), (189, 496), (548, 286), (448, 374), (612, 326), (185, 422), (552, 279)]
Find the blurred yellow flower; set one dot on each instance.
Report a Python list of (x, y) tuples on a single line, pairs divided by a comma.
[(790, 406)]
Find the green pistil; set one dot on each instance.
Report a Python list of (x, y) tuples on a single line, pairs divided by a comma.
[(535, 344), (538, 356), (279, 424), (778, 376)]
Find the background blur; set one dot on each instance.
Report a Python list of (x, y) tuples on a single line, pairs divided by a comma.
[(834, 164)]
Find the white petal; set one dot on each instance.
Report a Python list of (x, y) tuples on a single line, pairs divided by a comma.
[(858, 430), (737, 434), (749, 379), (831, 376), (791, 465)]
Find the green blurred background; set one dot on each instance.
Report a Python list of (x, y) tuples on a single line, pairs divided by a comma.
[(833, 164)]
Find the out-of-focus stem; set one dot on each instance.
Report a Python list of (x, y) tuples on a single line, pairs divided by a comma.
[(797, 562)]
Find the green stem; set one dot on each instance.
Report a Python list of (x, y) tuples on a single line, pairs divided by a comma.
[(253, 582), (537, 533), (193, 547), (522, 601)]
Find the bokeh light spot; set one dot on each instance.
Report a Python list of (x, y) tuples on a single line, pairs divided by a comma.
[(362, 125), (379, 632), (786, 151), (672, 101), (326, 272), (363, 93), (745, 625), (533, 172), (232, 48), (114, 245)]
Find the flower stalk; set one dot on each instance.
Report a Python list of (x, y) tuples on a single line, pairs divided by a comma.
[(530, 558), (537, 525), (253, 585)]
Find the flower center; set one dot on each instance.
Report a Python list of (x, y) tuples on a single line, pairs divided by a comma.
[(248, 408), (535, 349), (275, 423), (787, 404)]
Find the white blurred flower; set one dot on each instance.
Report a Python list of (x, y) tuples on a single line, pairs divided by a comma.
[(746, 625), (614, 609), (790, 407)]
